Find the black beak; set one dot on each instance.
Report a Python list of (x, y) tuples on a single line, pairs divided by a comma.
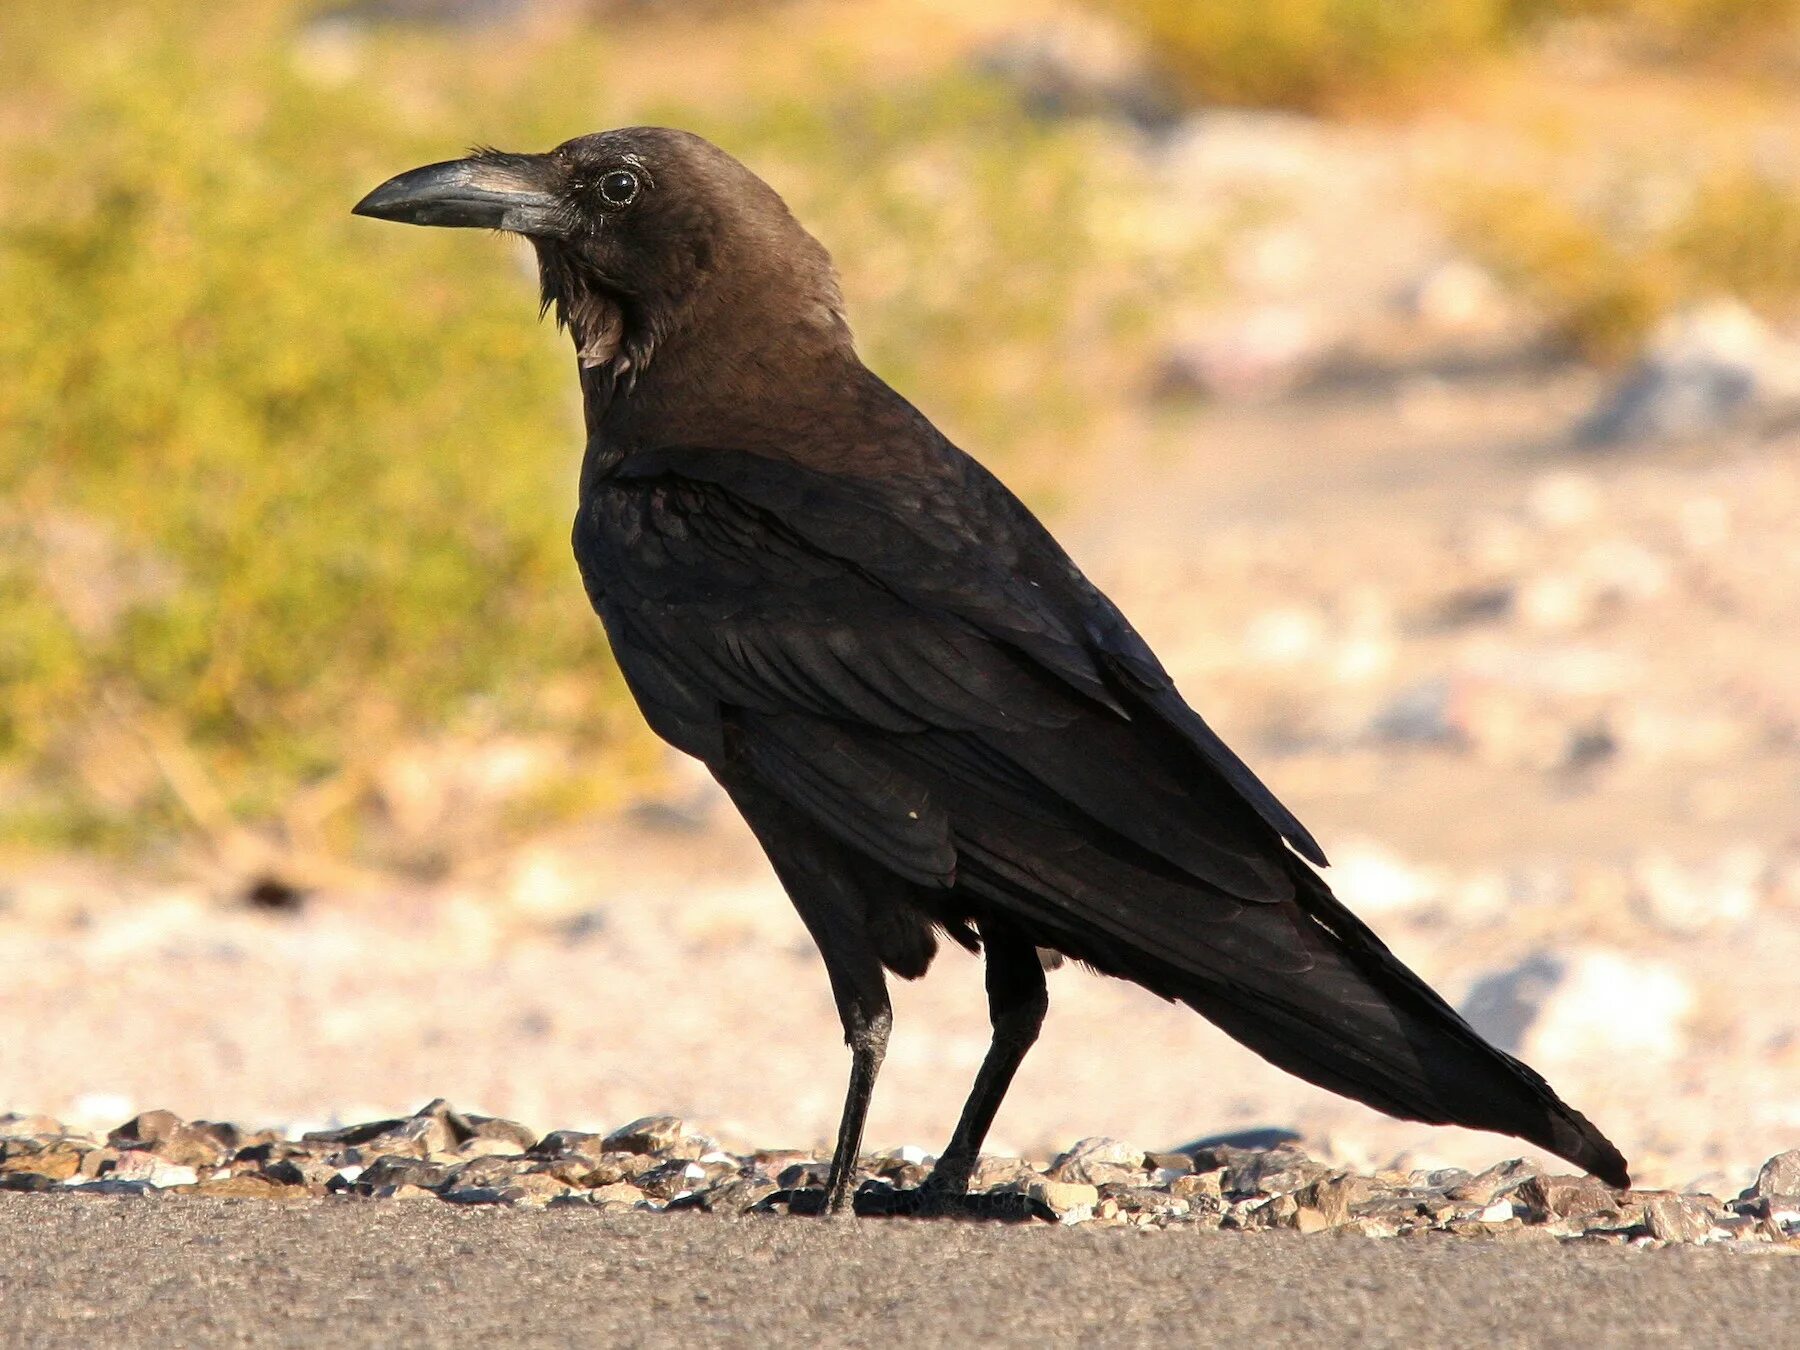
[(488, 191)]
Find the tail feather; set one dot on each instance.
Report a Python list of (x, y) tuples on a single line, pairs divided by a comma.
[(1304, 984)]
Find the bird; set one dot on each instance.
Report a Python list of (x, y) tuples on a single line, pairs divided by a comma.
[(936, 727)]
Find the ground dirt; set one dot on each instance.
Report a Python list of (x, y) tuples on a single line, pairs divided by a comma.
[(101, 1273)]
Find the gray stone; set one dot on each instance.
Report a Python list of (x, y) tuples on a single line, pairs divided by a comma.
[(141, 1165), (569, 1143), (1178, 1163), (16, 1126), (664, 1136), (1140, 1199), (176, 1141), (397, 1169), (58, 1159), (250, 1186), (1098, 1160), (474, 1195), (1200, 1186), (26, 1181), (1257, 1215), (991, 1173), (1780, 1176), (1706, 370), (427, 1131), (619, 1193), (1065, 1199), (302, 1171), (1278, 1171), (1566, 1197), (1067, 69), (498, 1129), (1333, 1198), (492, 1170), (1679, 1218), (1486, 1187)]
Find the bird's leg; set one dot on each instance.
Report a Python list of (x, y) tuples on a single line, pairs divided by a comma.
[(1017, 1001), (821, 885), (866, 1033), (867, 1037), (866, 1025)]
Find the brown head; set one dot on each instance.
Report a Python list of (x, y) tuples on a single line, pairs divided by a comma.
[(656, 249)]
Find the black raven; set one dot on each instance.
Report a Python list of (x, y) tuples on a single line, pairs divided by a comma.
[(932, 721)]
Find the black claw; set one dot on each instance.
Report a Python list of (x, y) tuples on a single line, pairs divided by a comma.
[(808, 1200), (887, 1202)]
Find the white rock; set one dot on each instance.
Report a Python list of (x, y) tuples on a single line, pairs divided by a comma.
[(142, 1165), (1457, 296), (105, 1109), (1592, 1005), (1563, 499), (1100, 1149), (1373, 879), (546, 883), (1720, 894), (1705, 369), (1284, 636), (1245, 355)]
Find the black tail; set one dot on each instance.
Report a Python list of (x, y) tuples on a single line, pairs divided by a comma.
[(1304, 983), (1360, 1023)]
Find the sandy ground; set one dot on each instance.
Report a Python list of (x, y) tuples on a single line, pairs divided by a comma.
[(651, 966), (133, 1272)]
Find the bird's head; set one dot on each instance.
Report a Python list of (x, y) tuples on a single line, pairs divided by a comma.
[(646, 238)]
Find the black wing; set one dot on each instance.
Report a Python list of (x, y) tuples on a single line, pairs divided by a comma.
[(915, 665), (938, 604)]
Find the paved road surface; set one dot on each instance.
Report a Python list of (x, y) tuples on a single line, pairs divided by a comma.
[(181, 1271)]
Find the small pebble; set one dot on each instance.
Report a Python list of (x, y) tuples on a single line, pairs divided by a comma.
[(659, 1162)]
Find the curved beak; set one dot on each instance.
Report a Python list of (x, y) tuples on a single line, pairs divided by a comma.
[(488, 191)]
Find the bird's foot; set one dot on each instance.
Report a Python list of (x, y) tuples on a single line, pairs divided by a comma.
[(808, 1200), (875, 1200)]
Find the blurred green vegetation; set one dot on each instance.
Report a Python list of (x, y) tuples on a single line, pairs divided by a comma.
[(1311, 54), (1602, 274), (283, 492), (1322, 54)]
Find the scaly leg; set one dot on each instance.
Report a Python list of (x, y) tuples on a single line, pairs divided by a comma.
[(1017, 1001)]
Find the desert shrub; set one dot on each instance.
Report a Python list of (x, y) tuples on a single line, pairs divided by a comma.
[(1681, 29), (287, 489), (283, 491), (1309, 53), (1741, 234), (1322, 54), (1603, 277), (1599, 290)]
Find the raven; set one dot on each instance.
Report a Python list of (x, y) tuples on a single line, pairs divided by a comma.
[(933, 723)]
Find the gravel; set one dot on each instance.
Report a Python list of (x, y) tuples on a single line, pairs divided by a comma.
[(662, 1164)]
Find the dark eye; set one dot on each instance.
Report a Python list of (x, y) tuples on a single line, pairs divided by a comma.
[(619, 188)]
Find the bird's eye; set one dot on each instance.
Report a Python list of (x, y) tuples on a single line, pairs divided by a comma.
[(619, 188)]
